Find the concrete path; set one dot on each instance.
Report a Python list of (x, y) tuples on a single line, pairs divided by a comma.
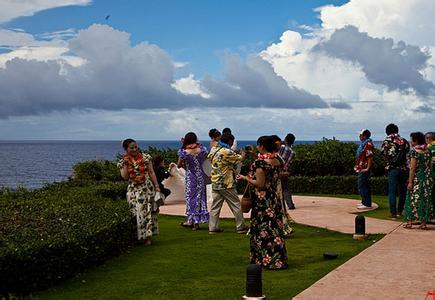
[(399, 266), (326, 212)]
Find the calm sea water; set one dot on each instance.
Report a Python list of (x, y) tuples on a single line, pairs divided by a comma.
[(32, 164)]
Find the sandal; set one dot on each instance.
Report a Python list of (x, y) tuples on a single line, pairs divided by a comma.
[(423, 227), (195, 226), (407, 225), (186, 224)]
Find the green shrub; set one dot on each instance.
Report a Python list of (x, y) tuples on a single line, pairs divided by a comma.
[(344, 185), (330, 158), (55, 232), (96, 170)]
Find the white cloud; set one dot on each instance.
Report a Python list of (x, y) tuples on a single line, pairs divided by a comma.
[(41, 54), (408, 20), (11, 9), (189, 86), (101, 70)]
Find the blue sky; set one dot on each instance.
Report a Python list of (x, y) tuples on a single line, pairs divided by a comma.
[(158, 69), (194, 31)]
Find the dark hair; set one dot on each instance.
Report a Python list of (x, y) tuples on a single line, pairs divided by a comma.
[(127, 142), (157, 160), (418, 137), (431, 135), (366, 133), (277, 141), (227, 137), (226, 130), (189, 138), (391, 128), (214, 133), (290, 138), (267, 142)]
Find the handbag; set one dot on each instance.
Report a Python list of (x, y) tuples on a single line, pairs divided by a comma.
[(246, 201)]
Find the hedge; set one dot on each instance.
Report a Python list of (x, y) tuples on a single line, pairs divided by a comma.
[(344, 185), (53, 233)]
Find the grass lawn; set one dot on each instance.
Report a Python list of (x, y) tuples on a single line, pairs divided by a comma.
[(382, 212), (183, 264)]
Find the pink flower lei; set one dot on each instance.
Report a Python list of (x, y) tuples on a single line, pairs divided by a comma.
[(267, 155)]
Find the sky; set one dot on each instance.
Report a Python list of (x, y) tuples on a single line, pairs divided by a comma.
[(154, 70)]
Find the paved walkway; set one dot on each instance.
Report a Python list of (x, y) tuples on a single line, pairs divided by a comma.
[(399, 266)]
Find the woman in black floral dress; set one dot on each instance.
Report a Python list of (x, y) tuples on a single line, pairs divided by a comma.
[(267, 236)]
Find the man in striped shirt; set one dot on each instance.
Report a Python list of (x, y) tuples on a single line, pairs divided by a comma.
[(287, 154)]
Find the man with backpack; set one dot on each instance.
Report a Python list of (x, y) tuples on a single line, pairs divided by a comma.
[(395, 150)]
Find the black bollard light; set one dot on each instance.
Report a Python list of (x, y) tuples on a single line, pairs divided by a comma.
[(254, 286), (360, 228)]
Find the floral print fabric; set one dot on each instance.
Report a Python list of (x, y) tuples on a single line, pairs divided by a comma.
[(140, 197), (196, 200), (390, 150), (362, 159), (418, 205), (223, 166), (267, 246)]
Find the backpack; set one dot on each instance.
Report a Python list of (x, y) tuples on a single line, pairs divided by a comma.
[(400, 158)]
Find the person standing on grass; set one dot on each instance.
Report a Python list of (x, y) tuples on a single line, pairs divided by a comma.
[(363, 165), (267, 245), (137, 168), (430, 141), (395, 150), (223, 163), (418, 204), (192, 155), (287, 154)]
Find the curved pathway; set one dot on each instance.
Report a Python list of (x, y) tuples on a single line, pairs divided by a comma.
[(399, 266)]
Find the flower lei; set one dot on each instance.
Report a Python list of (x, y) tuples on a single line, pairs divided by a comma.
[(392, 136), (135, 167), (192, 146), (362, 145), (267, 155), (223, 145), (421, 147)]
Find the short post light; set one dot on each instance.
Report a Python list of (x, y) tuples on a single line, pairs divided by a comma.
[(254, 286), (360, 228)]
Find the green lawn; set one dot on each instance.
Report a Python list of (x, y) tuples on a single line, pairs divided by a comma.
[(183, 264)]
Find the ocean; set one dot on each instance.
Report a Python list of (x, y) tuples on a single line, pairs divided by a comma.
[(32, 164)]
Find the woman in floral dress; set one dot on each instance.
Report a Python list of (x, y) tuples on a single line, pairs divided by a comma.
[(137, 168), (266, 230), (192, 155), (418, 200)]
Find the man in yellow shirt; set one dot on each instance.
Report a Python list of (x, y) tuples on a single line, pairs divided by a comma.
[(223, 164)]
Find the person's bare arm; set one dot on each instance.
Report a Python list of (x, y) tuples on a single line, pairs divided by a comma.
[(369, 165), (259, 181), (124, 172), (180, 163), (412, 168), (153, 176)]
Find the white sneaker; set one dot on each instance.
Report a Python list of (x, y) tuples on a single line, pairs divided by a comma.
[(362, 206)]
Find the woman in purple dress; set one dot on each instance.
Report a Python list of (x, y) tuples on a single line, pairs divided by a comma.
[(191, 156)]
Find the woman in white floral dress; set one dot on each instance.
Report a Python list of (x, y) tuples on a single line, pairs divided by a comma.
[(137, 168)]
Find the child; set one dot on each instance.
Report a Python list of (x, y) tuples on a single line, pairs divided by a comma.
[(161, 174)]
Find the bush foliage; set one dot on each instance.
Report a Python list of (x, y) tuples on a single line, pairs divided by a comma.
[(343, 185), (52, 233)]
